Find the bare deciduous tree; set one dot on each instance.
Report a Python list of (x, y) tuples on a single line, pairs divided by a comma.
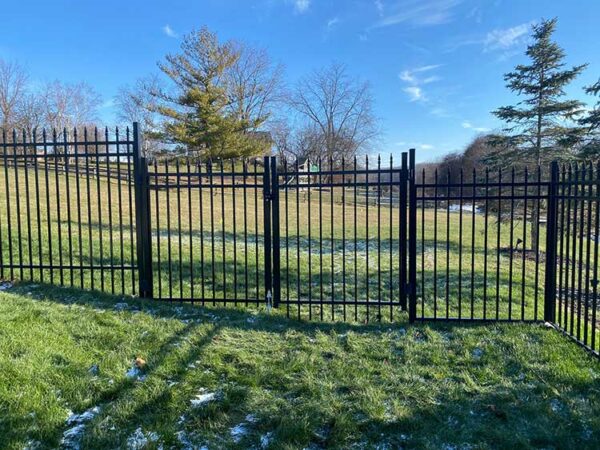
[(13, 85), (32, 113), (69, 105), (137, 104), (254, 85), (340, 108)]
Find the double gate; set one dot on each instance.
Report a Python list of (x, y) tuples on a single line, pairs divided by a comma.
[(316, 238), (331, 239)]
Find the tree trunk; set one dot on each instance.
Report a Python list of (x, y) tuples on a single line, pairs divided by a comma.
[(535, 212)]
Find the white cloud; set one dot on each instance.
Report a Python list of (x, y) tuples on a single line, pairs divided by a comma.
[(420, 13), (108, 104), (415, 93), (418, 145), (415, 81), (379, 6), (469, 126), (301, 6), (332, 22), (411, 75), (507, 38), (507, 41), (439, 112), (169, 31)]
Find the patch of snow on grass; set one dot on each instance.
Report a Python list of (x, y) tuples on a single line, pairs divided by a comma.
[(139, 439), (203, 398), (238, 432), (72, 436), (265, 440)]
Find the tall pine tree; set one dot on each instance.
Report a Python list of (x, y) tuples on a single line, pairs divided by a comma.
[(539, 127), (198, 110), (590, 146)]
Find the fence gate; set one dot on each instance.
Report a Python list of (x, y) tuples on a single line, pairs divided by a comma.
[(340, 238), (317, 239)]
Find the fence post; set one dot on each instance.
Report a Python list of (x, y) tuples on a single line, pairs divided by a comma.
[(142, 217), (403, 229), (551, 243), (275, 232), (412, 237), (267, 225)]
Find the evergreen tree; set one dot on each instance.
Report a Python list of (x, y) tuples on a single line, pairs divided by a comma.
[(538, 128), (590, 148), (198, 112)]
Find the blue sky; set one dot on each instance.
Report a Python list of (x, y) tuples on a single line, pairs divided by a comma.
[(435, 66)]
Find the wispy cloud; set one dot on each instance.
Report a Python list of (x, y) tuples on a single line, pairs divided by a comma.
[(419, 13), (108, 104), (438, 111), (415, 80), (379, 7), (418, 145), (301, 6), (412, 75), (331, 23), (469, 126), (505, 39), (415, 93), (169, 31)]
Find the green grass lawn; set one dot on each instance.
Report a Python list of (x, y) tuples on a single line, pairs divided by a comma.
[(226, 378)]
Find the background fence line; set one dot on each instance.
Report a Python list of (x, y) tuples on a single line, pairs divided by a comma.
[(342, 240)]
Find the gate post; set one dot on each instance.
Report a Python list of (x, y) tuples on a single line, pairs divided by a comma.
[(403, 236), (412, 237), (275, 230), (142, 217), (551, 243), (267, 233)]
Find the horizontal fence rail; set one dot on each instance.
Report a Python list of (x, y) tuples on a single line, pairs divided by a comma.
[(333, 239)]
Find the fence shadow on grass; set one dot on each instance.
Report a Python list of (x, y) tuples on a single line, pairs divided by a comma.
[(202, 325)]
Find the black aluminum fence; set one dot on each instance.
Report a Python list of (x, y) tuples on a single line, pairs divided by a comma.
[(342, 240), (576, 253), (208, 233), (68, 210), (482, 245), (339, 226)]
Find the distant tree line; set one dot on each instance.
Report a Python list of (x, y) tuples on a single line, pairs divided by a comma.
[(52, 105)]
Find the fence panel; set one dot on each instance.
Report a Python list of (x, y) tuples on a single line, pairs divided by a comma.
[(577, 254), (208, 231), (67, 209), (481, 245), (342, 252)]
